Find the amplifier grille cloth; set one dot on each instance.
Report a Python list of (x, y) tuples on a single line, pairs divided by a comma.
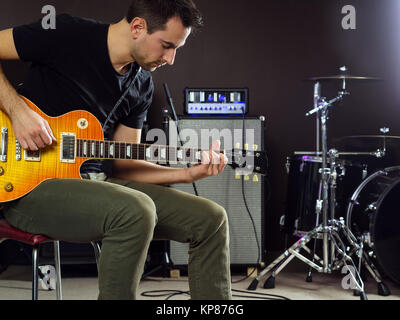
[(226, 190)]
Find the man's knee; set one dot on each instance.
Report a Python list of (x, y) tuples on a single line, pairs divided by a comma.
[(214, 220), (217, 215), (136, 212)]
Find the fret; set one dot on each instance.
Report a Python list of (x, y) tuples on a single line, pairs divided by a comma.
[(172, 155), (122, 151), (188, 154), (135, 151), (111, 152), (106, 149), (97, 151), (78, 148), (127, 151), (198, 156), (179, 155), (141, 152), (102, 150), (163, 154), (85, 148), (93, 149), (148, 153), (117, 152)]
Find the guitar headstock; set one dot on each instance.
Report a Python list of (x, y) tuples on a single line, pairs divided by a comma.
[(246, 162)]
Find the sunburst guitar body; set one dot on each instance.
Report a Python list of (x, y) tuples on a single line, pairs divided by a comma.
[(21, 171)]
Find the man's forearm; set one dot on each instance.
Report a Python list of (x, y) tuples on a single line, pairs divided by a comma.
[(9, 98), (146, 172)]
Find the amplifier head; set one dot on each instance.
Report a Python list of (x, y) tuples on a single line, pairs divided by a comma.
[(233, 102)]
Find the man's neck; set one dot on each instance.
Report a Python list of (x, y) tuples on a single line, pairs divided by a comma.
[(120, 56)]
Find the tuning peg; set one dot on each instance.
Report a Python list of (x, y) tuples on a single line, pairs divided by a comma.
[(246, 147), (255, 147), (238, 145), (255, 178)]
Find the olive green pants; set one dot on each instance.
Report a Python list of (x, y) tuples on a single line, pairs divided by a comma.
[(126, 216)]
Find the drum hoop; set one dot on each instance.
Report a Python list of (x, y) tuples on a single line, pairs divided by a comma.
[(357, 192)]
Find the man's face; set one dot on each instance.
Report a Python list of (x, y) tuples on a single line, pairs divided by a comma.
[(152, 51)]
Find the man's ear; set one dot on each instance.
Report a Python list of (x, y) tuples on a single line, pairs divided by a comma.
[(138, 26)]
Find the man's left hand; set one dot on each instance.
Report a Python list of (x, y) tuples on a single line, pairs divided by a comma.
[(213, 163)]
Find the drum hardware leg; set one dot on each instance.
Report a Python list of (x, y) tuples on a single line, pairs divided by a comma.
[(309, 276), (294, 253), (383, 289), (279, 263), (313, 254), (363, 296), (333, 154), (314, 257), (318, 209), (270, 283), (357, 281), (364, 259)]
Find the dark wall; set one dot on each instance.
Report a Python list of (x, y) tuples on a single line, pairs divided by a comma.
[(271, 46)]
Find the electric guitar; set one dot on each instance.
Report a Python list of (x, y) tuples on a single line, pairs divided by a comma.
[(80, 138)]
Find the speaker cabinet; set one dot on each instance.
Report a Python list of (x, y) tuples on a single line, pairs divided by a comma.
[(246, 237)]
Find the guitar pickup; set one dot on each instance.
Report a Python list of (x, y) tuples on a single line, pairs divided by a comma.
[(33, 156), (68, 147)]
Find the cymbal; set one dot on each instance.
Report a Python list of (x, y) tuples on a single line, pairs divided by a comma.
[(366, 137), (342, 77)]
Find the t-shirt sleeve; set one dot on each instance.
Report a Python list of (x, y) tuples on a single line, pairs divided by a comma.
[(137, 116)]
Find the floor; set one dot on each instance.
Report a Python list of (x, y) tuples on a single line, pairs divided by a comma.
[(15, 284)]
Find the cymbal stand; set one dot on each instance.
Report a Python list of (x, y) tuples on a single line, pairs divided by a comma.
[(329, 229)]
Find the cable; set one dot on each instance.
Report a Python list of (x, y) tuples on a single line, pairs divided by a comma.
[(266, 295), (252, 295), (247, 208), (163, 293)]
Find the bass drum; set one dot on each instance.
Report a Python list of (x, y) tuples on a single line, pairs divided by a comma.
[(373, 213)]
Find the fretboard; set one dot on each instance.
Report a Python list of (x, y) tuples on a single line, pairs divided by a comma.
[(95, 149)]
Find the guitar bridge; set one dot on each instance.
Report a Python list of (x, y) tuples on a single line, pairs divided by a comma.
[(68, 147)]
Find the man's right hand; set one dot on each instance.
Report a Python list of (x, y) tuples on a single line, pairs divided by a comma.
[(31, 130)]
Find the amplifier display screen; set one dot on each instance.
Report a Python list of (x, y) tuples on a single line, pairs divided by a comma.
[(216, 101)]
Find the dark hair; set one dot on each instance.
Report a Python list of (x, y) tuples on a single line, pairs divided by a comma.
[(158, 12)]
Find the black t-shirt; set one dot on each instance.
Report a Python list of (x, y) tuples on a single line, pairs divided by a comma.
[(71, 70)]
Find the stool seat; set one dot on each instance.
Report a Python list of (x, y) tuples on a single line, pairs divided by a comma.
[(9, 232)]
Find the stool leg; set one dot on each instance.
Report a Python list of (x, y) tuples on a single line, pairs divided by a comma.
[(35, 250), (97, 252), (57, 261)]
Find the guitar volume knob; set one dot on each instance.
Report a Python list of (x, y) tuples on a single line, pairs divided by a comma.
[(2, 171), (8, 187)]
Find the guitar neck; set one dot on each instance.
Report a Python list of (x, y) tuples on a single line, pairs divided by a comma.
[(112, 150)]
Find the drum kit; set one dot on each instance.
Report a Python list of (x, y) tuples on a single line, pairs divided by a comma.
[(334, 199)]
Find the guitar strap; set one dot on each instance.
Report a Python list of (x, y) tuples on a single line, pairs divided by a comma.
[(121, 99)]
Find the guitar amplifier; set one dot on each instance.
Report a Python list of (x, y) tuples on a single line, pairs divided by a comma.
[(246, 238)]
